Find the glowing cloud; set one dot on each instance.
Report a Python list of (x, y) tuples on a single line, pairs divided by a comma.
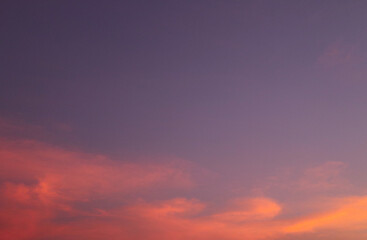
[(53, 193), (41, 184), (348, 213)]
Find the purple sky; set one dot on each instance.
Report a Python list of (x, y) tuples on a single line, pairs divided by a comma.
[(250, 98)]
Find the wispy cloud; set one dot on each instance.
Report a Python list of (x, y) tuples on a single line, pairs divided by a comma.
[(54, 193), (337, 53), (349, 213), (41, 184)]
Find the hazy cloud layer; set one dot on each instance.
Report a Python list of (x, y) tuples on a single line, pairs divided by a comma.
[(49, 192)]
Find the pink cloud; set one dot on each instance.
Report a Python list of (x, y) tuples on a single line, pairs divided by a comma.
[(335, 54), (47, 192), (180, 219), (41, 183), (323, 177), (251, 209), (55, 193)]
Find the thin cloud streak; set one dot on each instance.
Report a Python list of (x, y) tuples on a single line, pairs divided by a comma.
[(336, 54)]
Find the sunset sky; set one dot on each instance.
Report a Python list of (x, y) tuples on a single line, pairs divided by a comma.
[(183, 120)]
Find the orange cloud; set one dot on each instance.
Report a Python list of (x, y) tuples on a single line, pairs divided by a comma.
[(347, 213), (183, 219), (251, 209), (40, 184), (53, 193), (80, 174)]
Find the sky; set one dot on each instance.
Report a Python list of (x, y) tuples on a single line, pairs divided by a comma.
[(202, 120)]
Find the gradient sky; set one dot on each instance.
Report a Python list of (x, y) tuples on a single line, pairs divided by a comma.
[(202, 120)]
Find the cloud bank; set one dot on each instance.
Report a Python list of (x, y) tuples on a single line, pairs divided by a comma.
[(47, 192)]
